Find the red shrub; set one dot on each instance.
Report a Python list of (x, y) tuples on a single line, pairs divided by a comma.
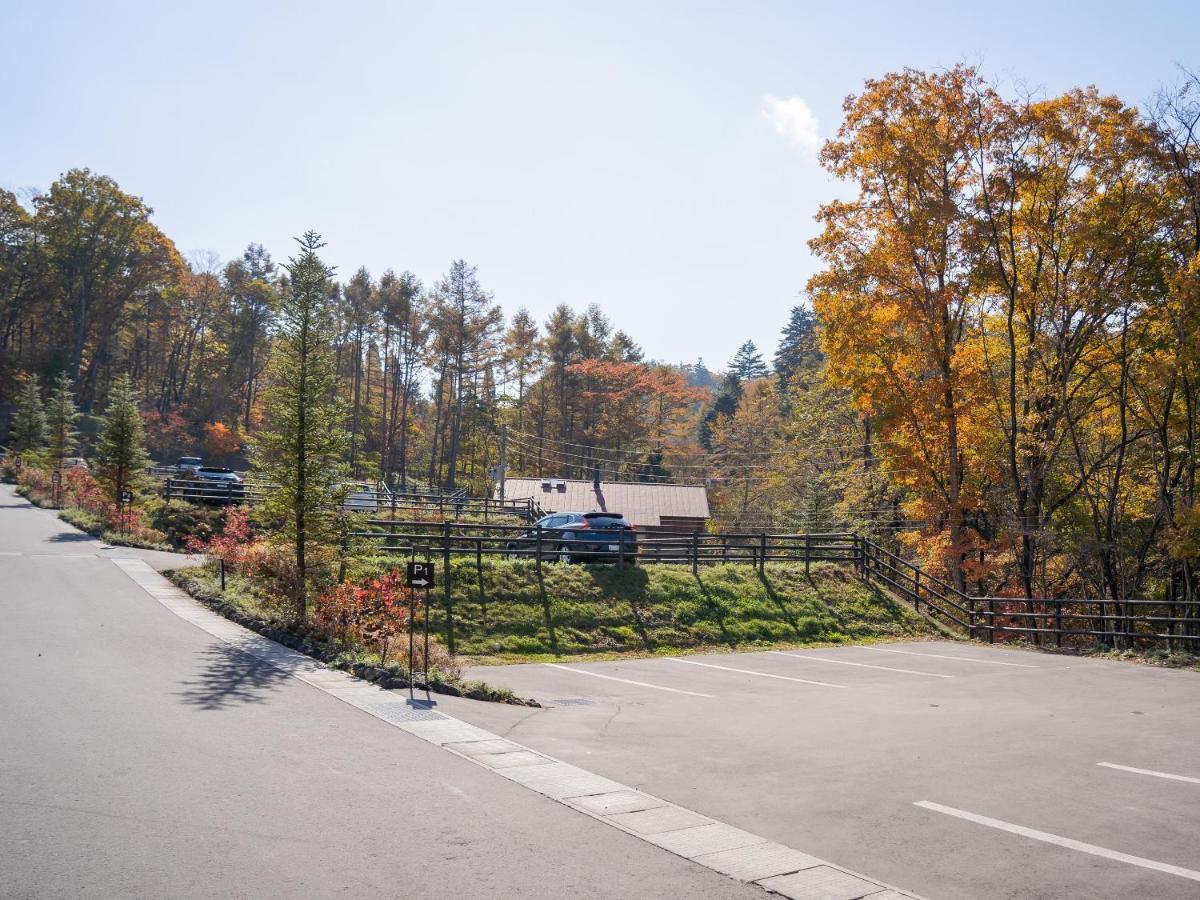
[(373, 612), (231, 544)]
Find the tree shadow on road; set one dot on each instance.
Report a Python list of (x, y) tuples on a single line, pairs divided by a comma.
[(230, 677), (69, 537)]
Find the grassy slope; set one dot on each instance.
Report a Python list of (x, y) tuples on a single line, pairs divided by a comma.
[(582, 609)]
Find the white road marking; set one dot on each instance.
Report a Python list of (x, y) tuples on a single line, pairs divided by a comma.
[(692, 662), (1187, 778), (845, 662), (989, 662), (1069, 843), (657, 687)]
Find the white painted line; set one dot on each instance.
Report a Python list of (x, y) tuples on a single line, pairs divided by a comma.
[(845, 662), (989, 662), (1187, 778), (657, 687), (692, 662), (1069, 843)]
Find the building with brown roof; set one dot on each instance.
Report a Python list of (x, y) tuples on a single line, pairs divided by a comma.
[(673, 507)]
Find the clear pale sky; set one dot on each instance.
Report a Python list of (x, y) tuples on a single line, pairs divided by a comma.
[(655, 158)]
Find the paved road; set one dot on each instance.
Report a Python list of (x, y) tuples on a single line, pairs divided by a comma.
[(139, 757), (829, 751)]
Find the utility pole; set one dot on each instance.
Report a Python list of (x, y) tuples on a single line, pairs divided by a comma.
[(503, 459)]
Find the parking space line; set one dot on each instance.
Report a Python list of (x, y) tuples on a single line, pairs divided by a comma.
[(1187, 778), (657, 687), (846, 662), (692, 662), (988, 662), (1069, 843)]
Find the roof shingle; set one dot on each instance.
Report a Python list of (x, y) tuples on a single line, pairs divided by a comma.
[(641, 504)]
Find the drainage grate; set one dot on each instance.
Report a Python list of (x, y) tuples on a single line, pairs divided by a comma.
[(574, 701), (401, 712)]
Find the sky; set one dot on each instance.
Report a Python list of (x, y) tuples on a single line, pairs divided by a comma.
[(656, 158)]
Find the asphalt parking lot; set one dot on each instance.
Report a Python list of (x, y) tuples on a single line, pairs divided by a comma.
[(952, 770)]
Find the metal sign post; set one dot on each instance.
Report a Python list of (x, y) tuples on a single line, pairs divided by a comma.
[(56, 483), (126, 509), (419, 575)]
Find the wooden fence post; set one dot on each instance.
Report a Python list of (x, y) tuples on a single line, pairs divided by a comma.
[(695, 552), (446, 589), (762, 553), (807, 553)]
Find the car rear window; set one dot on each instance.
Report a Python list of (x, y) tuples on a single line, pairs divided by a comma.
[(213, 470), (605, 521), (189, 460)]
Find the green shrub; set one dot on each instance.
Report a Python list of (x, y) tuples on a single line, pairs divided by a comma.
[(184, 522)]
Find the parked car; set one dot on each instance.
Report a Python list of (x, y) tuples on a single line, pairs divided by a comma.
[(217, 484), (578, 537), (76, 462), (189, 466)]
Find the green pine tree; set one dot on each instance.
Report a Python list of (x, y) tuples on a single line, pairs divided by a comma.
[(61, 417), (28, 433), (121, 451), (799, 355), (301, 445), (748, 363)]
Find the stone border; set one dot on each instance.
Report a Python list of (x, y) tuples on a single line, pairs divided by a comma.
[(715, 845)]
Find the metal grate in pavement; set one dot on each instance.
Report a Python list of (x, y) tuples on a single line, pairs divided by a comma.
[(401, 712)]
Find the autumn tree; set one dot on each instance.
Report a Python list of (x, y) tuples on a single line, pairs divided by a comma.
[(895, 297), (103, 255), (467, 324), (404, 333), (742, 445), (250, 284)]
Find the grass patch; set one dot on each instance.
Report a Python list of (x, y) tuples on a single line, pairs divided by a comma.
[(502, 611)]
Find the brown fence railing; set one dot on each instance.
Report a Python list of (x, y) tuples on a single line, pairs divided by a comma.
[(1062, 622), (518, 542), (359, 498)]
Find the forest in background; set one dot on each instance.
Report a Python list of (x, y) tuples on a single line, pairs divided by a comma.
[(995, 369)]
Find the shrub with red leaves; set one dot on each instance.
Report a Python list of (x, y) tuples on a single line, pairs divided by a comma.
[(373, 612), (231, 544)]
